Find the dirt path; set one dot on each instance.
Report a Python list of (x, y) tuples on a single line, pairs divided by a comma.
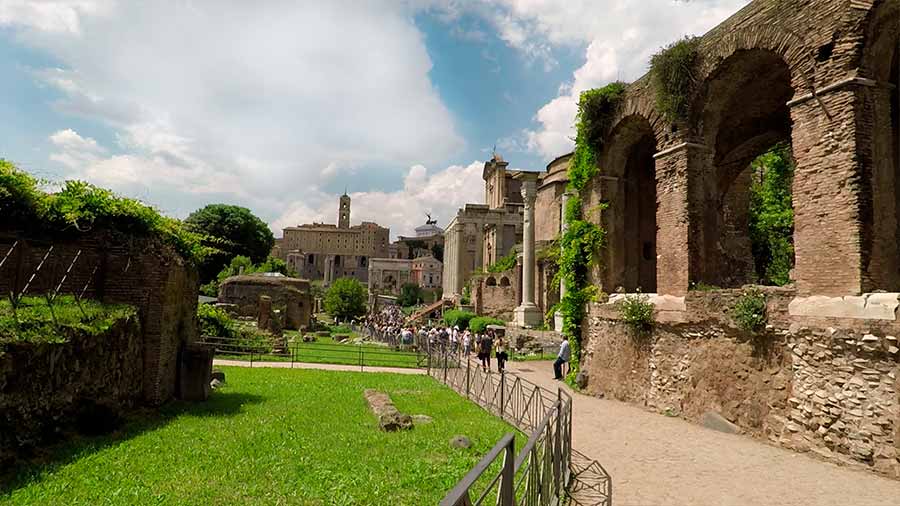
[(656, 460), (323, 367)]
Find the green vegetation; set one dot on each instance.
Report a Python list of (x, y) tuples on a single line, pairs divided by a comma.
[(583, 238), (637, 311), (237, 231), (466, 297), (437, 251), (241, 264), (35, 321), (505, 263), (458, 317), (703, 287), (79, 207), (749, 312), (410, 295), (346, 299), (271, 437), (479, 324), (673, 71), (772, 215)]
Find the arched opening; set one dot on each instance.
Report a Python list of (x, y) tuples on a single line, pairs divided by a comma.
[(504, 281), (628, 184), (880, 198), (490, 281), (745, 123)]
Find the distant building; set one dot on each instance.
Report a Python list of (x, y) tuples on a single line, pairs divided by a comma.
[(291, 295), (428, 241), (319, 251), (388, 275)]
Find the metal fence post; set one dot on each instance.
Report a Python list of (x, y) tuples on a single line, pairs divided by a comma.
[(359, 346), (444, 353), (502, 393), (468, 368), (507, 481)]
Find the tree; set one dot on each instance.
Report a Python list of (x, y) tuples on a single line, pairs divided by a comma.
[(772, 216), (236, 231), (346, 298), (410, 295), (437, 251)]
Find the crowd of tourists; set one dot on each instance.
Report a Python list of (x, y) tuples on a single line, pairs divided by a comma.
[(390, 323)]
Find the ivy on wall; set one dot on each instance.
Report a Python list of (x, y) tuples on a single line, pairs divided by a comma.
[(583, 238), (673, 71)]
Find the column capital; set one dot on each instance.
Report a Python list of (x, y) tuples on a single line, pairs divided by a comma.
[(529, 186)]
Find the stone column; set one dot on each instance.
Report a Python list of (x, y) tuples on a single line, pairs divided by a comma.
[(528, 314), (557, 317)]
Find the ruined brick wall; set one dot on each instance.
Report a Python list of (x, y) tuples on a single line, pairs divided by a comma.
[(45, 388), (141, 272), (827, 385), (816, 73), (497, 295), (244, 292)]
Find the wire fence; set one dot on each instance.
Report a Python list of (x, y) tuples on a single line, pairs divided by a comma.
[(547, 471), (361, 354)]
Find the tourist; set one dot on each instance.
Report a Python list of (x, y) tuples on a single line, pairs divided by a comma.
[(486, 345), (467, 342), (500, 348), (561, 358)]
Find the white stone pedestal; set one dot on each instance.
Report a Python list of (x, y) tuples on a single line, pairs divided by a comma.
[(528, 315), (557, 321)]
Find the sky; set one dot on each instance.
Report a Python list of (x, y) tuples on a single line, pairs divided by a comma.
[(282, 105)]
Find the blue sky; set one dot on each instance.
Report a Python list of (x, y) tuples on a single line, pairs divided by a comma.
[(279, 105)]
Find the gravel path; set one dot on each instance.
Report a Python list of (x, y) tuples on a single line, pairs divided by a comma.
[(656, 460)]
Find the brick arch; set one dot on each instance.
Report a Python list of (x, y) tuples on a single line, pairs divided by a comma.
[(640, 101), (790, 47), (627, 183), (879, 198)]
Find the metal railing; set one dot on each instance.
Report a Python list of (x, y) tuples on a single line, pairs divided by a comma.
[(361, 355), (547, 471)]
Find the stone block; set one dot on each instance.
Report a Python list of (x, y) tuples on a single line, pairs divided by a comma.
[(875, 306), (715, 421), (195, 370)]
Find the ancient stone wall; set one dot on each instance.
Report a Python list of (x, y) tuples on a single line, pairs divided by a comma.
[(47, 388), (827, 385), (497, 294), (288, 294), (141, 272)]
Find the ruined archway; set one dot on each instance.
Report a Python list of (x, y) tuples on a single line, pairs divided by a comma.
[(628, 185), (880, 195), (742, 114)]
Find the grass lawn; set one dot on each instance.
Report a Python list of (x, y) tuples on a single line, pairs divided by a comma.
[(328, 351), (34, 322), (272, 437)]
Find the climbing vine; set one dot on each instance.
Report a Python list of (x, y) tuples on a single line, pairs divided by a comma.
[(673, 71), (583, 238), (772, 215)]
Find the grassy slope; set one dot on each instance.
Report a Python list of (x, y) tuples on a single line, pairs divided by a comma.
[(273, 437), (33, 321)]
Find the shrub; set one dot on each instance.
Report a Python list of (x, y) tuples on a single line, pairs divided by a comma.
[(346, 299), (479, 324), (458, 317), (79, 207), (673, 71), (749, 312), (215, 322), (637, 311), (504, 264)]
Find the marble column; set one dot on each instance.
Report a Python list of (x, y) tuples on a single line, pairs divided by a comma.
[(528, 314)]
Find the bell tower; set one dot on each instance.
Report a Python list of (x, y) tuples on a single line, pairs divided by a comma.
[(344, 212)]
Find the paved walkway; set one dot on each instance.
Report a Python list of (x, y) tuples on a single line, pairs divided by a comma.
[(656, 460), (322, 367)]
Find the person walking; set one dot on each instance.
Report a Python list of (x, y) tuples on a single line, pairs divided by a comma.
[(486, 348), (561, 358), (502, 356), (467, 342)]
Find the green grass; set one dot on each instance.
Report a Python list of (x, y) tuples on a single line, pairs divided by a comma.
[(33, 321), (327, 351), (272, 437)]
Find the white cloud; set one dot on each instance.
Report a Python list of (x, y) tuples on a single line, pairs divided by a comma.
[(262, 103), (441, 194), (620, 36)]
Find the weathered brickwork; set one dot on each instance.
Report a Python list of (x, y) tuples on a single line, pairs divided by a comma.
[(46, 388), (290, 295), (141, 272), (812, 384), (819, 74)]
